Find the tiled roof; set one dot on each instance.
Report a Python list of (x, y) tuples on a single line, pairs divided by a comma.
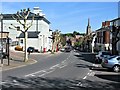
[(36, 17)]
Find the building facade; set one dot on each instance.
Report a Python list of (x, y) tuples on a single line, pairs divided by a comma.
[(103, 37), (40, 28)]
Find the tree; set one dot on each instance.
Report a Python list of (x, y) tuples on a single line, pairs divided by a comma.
[(86, 42), (56, 40), (23, 15), (75, 33), (115, 38), (63, 39)]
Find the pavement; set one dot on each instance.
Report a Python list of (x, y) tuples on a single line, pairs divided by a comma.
[(18, 61)]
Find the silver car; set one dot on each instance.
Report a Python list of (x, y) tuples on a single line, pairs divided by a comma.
[(112, 62)]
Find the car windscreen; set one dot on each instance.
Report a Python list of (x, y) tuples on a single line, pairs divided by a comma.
[(111, 57), (106, 53)]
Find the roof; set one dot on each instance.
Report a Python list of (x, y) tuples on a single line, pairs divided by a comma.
[(103, 29), (30, 35), (36, 17), (115, 19)]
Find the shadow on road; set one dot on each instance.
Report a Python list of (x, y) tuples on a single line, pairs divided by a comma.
[(111, 77), (101, 69), (93, 68), (89, 57), (38, 83), (84, 66)]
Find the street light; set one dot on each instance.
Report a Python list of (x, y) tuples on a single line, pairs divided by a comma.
[(1, 19)]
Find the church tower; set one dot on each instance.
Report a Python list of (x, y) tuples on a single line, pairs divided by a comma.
[(88, 31)]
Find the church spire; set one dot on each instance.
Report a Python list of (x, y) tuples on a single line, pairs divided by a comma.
[(88, 22), (88, 31)]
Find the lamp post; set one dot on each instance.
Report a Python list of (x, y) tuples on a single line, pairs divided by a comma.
[(1, 19)]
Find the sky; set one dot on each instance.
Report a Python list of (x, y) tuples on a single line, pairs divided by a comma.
[(69, 16)]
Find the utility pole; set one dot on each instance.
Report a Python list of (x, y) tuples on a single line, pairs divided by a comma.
[(1, 19), (23, 15), (7, 47)]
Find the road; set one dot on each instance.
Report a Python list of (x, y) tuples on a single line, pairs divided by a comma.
[(70, 70), (48, 64)]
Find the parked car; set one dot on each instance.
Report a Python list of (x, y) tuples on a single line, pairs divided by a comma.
[(32, 49), (62, 49), (112, 62), (67, 49), (19, 48), (101, 55)]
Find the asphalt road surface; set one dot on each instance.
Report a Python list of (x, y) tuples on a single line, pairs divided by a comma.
[(63, 71)]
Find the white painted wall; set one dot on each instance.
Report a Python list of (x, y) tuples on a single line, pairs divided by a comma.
[(31, 42), (42, 42), (13, 33)]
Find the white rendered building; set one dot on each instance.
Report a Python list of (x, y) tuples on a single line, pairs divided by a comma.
[(38, 33)]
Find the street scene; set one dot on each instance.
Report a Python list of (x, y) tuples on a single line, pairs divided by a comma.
[(60, 46)]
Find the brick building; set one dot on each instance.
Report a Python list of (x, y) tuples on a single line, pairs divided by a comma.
[(103, 37)]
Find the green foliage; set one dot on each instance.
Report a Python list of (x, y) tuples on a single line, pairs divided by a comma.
[(69, 34), (63, 40), (78, 43)]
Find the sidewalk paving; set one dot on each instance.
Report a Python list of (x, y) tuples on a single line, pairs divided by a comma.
[(15, 63)]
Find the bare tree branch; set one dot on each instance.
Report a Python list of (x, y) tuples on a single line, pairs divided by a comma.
[(20, 14), (27, 14), (17, 19), (31, 23)]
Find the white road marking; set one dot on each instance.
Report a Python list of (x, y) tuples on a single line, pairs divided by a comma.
[(92, 74), (63, 66), (79, 84), (90, 70), (14, 81), (85, 77), (88, 73), (41, 71), (95, 65), (49, 70), (46, 73), (57, 65)]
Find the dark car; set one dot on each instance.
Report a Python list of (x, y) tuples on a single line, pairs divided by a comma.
[(31, 49), (67, 49)]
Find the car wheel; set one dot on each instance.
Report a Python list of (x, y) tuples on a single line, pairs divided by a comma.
[(116, 68)]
